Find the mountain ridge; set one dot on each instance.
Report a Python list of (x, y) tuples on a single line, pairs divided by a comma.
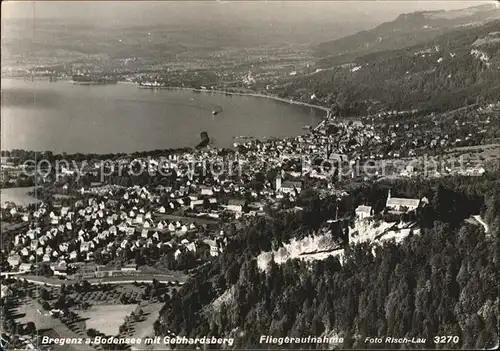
[(439, 74), (404, 31)]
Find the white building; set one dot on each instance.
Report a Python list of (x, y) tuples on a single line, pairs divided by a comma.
[(401, 204), (236, 205), (364, 211), (206, 191)]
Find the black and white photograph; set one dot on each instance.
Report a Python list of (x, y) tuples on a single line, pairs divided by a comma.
[(250, 175)]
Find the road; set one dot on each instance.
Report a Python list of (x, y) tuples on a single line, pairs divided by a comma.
[(186, 219), (483, 223), (144, 328), (272, 97), (143, 278)]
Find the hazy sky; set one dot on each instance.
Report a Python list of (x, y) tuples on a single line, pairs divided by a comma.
[(174, 11), (247, 23)]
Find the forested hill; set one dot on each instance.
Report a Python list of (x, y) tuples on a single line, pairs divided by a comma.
[(441, 282), (406, 30), (444, 73)]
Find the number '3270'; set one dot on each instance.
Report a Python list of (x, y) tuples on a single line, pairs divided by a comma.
[(445, 339)]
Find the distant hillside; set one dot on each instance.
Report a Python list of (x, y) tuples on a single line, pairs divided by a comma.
[(447, 72), (406, 30)]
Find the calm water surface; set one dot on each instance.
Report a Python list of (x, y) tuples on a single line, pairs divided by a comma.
[(63, 117), (19, 196)]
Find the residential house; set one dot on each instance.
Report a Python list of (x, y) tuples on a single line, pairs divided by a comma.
[(236, 205), (214, 248), (196, 204), (14, 260), (73, 255), (25, 267), (205, 190), (363, 211), (213, 203)]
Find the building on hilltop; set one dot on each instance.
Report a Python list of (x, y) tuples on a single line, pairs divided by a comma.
[(401, 204)]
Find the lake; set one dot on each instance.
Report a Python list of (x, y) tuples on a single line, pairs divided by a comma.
[(65, 117), (19, 196)]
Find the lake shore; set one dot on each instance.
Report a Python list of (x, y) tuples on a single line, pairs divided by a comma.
[(272, 97)]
